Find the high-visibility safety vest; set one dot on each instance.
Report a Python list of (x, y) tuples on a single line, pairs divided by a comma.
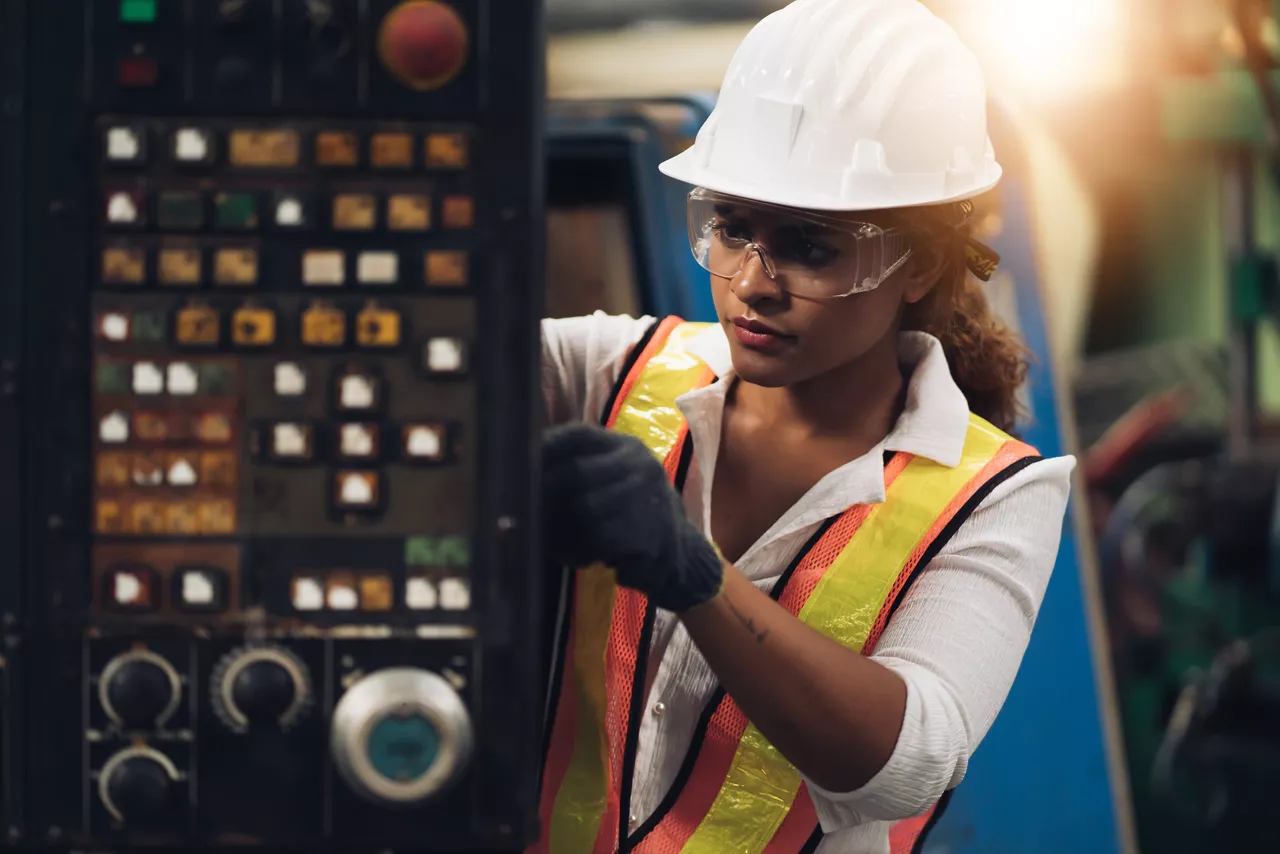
[(735, 794)]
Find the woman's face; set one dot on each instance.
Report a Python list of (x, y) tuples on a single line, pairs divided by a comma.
[(778, 337)]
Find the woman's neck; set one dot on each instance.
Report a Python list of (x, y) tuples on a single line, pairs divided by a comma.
[(860, 400)]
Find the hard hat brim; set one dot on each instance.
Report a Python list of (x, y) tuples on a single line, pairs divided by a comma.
[(684, 167)]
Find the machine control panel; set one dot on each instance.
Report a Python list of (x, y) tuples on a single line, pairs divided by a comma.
[(280, 282)]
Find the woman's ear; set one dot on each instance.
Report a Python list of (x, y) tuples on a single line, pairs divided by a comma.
[(924, 270)]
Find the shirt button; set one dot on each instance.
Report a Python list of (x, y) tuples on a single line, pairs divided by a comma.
[(659, 709), (632, 821)]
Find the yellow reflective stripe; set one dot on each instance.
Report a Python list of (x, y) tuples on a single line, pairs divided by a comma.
[(580, 803), (650, 413), (761, 784), (849, 596)]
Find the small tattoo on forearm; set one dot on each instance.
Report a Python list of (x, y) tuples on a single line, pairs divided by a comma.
[(747, 623)]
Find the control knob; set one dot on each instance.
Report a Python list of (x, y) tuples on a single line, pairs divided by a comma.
[(258, 686), (423, 44), (400, 736), (139, 689), (136, 784)]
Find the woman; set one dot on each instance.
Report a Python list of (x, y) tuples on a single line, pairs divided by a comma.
[(824, 556)]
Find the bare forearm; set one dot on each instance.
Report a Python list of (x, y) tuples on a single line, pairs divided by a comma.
[(833, 713)]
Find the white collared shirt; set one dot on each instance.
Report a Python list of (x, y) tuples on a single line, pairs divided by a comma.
[(958, 636)]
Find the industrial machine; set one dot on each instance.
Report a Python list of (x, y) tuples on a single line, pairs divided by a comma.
[(268, 347)]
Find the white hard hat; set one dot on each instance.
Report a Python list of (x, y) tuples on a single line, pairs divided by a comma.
[(847, 105)]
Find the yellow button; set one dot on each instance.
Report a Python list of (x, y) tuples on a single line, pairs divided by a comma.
[(146, 517), (148, 470), (113, 469), (354, 212), (271, 148), (459, 212), (446, 268), (324, 326), (124, 266), (447, 151), (182, 518), (409, 212), (198, 326), (218, 469), (214, 428), (253, 326), (377, 593), (180, 266), (391, 150), (152, 426), (337, 148), (217, 517), (108, 517), (378, 327), (235, 267)]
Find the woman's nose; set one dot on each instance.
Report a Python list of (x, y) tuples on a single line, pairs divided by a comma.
[(754, 282)]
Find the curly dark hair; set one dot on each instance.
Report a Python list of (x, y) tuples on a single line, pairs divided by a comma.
[(988, 360)]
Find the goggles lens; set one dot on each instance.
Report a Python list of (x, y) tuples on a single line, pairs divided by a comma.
[(809, 255)]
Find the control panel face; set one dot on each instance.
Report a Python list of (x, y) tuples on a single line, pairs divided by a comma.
[(279, 357)]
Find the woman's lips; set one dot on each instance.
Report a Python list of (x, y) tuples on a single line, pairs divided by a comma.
[(755, 335)]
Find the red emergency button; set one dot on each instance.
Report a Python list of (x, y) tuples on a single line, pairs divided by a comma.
[(423, 43)]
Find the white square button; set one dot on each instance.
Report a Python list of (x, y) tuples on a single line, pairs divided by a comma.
[(455, 594), (114, 428), (357, 392), (290, 379), (122, 209), (358, 441), (324, 268), (425, 442), (124, 145), (147, 378), (308, 594), (192, 145), (378, 268), (183, 379), (114, 326), (446, 355), (291, 441), (420, 594)]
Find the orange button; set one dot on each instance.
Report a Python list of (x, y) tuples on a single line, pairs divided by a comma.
[(459, 212), (446, 268), (423, 44)]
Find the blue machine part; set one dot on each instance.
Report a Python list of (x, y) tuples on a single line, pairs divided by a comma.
[(1041, 780)]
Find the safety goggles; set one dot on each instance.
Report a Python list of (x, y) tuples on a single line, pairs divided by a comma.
[(807, 254)]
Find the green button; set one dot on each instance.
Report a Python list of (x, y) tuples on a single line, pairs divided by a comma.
[(438, 552), (180, 210), (216, 379), (113, 379), (236, 210), (148, 326), (403, 747), (138, 11)]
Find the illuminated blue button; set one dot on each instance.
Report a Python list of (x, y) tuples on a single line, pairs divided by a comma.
[(402, 748)]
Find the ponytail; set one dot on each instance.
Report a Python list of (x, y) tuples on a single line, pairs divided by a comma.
[(988, 360)]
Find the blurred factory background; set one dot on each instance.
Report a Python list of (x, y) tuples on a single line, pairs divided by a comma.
[(1140, 222)]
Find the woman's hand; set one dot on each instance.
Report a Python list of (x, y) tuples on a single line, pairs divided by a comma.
[(606, 500)]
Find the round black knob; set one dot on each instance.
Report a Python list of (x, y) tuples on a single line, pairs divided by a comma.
[(261, 685), (263, 691), (136, 784), (139, 689)]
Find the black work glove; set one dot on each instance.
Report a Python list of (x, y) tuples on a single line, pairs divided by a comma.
[(606, 499)]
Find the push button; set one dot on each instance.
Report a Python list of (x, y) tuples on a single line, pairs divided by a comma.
[(180, 267), (200, 589), (292, 442), (217, 379), (290, 380), (341, 593), (391, 150), (409, 212), (112, 470), (132, 589), (307, 593), (108, 517), (292, 211), (324, 326), (124, 265), (126, 209), (337, 148), (447, 151), (182, 379), (148, 327), (377, 592), (378, 268), (126, 145), (218, 469), (182, 517), (420, 594), (459, 212), (358, 392), (446, 269), (216, 517), (148, 470), (180, 211), (253, 327), (427, 443), (113, 326), (113, 428), (155, 427), (324, 268), (358, 441), (137, 11), (356, 490), (148, 379), (355, 212), (445, 356), (113, 378), (146, 517), (214, 428), (236, 211), (182, 471), (264, 149), (138, 72), (197, 325), (193, 146), (377, 328), (236, 267), (455, 594)]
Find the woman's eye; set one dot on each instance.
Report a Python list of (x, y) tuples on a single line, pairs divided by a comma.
[(730, 232), (807, 252)]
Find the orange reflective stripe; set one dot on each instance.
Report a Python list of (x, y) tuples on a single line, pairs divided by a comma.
[(903, 835), (797, 827)]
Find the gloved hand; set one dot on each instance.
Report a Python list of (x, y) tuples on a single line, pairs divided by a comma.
[(606, 499)]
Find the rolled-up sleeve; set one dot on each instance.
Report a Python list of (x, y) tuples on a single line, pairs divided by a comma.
[(957, 641), (581, 360)]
